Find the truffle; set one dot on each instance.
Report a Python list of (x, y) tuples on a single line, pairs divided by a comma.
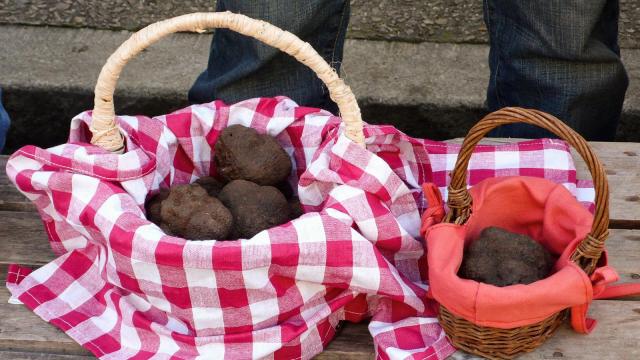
[(286, 189), (189, 212), (503, 258), (154, 204), (295, 208), (242, 153), (211, 185), (254, 207)]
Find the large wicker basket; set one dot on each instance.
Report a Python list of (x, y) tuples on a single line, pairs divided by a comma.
[(500, 343)]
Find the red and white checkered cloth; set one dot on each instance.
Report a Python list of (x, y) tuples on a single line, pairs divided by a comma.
[(123, 289)]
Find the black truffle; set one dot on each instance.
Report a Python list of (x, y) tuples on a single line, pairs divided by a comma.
[(242, 153), (211, 185), (503, 258), (286, 189), (154, 205), (295, 208), (189, 212), (254, 207)]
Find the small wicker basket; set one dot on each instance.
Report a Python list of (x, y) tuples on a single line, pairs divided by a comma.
[(495, 343)]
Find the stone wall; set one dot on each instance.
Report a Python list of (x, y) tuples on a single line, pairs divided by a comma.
[(446, 21)]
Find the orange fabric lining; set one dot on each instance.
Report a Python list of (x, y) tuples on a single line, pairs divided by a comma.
[(536, 207)]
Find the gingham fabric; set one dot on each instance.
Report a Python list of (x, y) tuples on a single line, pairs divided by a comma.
[(123, 289)]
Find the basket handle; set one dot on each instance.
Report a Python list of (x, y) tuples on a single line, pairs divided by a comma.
[(103, 127), (459, 201)]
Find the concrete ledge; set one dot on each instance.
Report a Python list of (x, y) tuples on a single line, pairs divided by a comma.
[(427, 90), (446, 21)]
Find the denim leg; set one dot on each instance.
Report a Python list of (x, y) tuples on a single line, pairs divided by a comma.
[(559, 56), (240, 67), (4, 123)]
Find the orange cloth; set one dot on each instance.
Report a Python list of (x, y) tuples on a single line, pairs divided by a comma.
[(538, 208)]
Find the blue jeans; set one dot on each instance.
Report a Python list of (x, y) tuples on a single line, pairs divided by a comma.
[(559, 56), (240, 67), (4, 123)]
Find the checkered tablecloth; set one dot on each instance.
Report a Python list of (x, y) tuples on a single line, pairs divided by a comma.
[(123, 289)]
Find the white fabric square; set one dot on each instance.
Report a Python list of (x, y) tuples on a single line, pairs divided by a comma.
[(507, 160), (205, 278), (257, 278), (207, 318), (556, 159), (146, 272), (264, 310), (309, 290), (210, 350), (75, 295), (312, 273), (368, 278), (310, 230)]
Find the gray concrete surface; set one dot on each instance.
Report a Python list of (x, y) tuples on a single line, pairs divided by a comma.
[(428, 89), (448, 21)]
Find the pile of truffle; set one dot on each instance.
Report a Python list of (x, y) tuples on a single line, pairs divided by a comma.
[(503, 258), (251, 194)]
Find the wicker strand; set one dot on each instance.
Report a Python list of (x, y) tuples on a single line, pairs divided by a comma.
[(459, 201), (589, 251), (494, 343), (104, 129)]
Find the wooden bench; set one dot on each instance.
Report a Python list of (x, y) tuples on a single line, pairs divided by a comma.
[(25, 336)]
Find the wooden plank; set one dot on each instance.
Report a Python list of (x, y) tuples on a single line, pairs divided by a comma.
[(352, 342), (623, 247), (622, 164), (616, 336), (624, 201), (24, 241), (3, 165), (12, 200), (15, 355), (619, 158), (10, 197), (23, 331)]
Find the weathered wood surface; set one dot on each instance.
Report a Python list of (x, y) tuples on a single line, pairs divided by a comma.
[(615, 337), (16, 355), (10, 198), (22, 330), (622, 164), (25, 336)]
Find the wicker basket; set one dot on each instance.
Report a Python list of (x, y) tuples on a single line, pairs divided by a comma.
[(497, 343)]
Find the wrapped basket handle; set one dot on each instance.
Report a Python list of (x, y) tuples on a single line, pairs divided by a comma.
[(105, 133), (459, 201)]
